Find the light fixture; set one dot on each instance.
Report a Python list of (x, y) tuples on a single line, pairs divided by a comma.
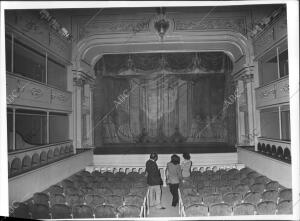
[(45, 15), (161, 24)]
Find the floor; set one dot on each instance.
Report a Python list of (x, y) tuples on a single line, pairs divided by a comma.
[(166, 202)]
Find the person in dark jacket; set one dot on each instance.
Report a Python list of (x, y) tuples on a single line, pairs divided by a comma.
[(154, 181)]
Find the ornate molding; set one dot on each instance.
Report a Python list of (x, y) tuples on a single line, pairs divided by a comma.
[(36, 92), (235, 24), (124, 26)]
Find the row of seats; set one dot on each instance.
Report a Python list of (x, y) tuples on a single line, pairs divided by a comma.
[(89, 192), (224, 209), (233, 187), (63, 211)]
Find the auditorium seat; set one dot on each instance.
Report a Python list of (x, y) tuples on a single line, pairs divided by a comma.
[(127, 211), (40, 211), (253, 174), (188, 191), (257, 187), (248, 181), (41, 198), (244, 209), (272, 185), (55, 189), (232, 198), (103, 191), (262, 179), (220, 209), (207, 190), (74, 199), (120, 191), (114, 200), (252, 197), (270, 195), (233, 182), (241, 188), (67, 183), (141, 191), (266, 208), (212, 199), (285, 207), (87, 190), (71, 190), (285, 194), (196, 210), (224, 189), (57, 198), (133, 200), (82, 211), (60, 211), (190, 200), (104, 211), (93, 200), (20, 210)]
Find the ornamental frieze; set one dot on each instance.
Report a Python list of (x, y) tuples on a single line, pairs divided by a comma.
[(98, 27), (235, 24)]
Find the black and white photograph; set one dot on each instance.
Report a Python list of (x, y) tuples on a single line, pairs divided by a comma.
[(150, 110)]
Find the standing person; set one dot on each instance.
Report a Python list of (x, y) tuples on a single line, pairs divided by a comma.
[(186, 167), (173, 174), (154, 181)]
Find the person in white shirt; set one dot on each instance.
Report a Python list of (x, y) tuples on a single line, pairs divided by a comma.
[(186, 166)]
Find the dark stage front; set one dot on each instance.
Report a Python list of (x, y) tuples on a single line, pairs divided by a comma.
[(210, 147)]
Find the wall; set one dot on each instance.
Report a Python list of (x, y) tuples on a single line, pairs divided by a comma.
[(23, 186), (272, 168)]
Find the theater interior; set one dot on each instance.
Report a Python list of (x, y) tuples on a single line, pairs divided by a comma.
[(91, 92)]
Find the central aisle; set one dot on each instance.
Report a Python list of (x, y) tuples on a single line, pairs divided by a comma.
[(166, 202)]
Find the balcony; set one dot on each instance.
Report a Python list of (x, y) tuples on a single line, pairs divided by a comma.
[(21, 161), (276, 92), (24, 92)]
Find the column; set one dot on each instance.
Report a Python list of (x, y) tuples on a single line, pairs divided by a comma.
[(250, 95), (77, 87), (91, 116), (240, 113)]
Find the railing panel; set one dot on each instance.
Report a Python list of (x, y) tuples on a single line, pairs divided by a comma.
[(24, 92), (38, 156), (274, 93)]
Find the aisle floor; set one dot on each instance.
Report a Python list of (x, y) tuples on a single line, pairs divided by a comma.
[(166, 202)]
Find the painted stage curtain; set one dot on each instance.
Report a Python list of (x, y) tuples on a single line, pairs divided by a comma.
[(163, 106)]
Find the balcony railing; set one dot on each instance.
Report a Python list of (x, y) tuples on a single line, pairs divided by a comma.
[(25, 92), (276, 92), (22, 161)]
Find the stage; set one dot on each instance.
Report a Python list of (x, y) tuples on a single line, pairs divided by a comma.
[(164, 148)]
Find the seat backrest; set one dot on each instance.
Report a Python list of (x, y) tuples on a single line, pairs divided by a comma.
[(244, 209), (114, 200), (188, 191), (212, 199), (220, 209), (105, 211), (266, 208), (191, 200), (128, 211), (248, 181), (241, 188), (40, 211), (224, 189), (82, 211), (253, 174), (285, 194), (60, 211), (257, 187), (196, 210), (285, 207), (94, 199), (262, 179), (103, 191), (55, 189), (252, 197), (133, 200), (74, 199), (41, 198), (270, 195), (21, 210), (57, 199), (67, 183), (232, 198), (272, 185)]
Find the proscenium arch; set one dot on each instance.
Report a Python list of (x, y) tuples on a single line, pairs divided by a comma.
[(89, 50)]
